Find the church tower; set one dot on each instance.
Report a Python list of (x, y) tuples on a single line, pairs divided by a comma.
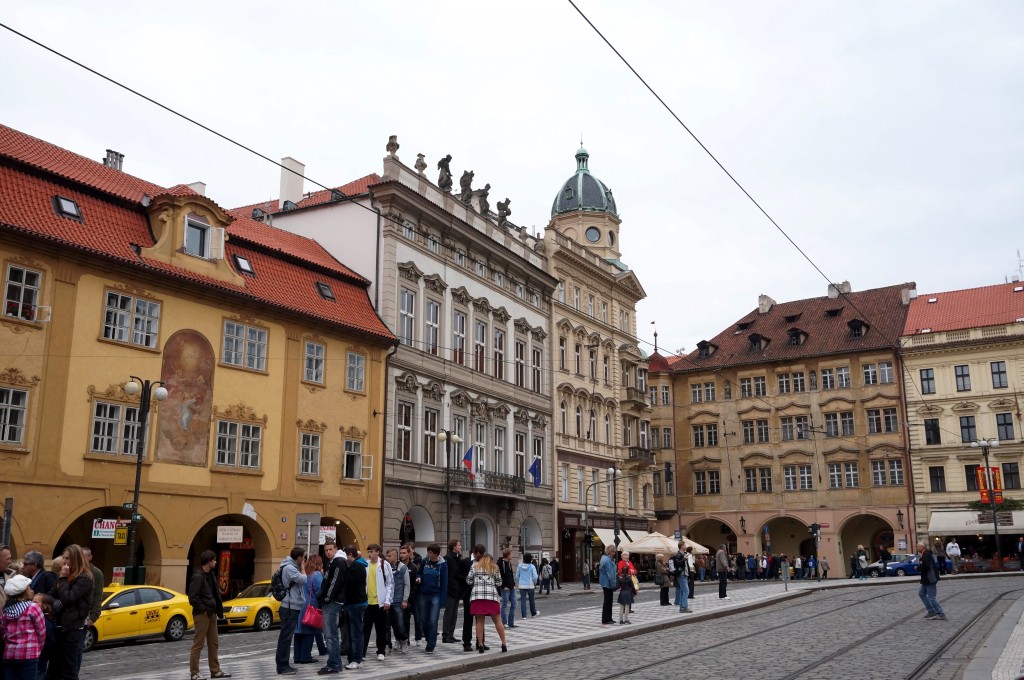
[(584, 211)]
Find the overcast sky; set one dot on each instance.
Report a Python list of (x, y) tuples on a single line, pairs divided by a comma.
[(885, 137)]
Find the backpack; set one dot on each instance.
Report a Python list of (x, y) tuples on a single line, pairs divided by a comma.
[(277, 587)]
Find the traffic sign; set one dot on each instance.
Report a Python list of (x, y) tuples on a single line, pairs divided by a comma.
[(136, 517), (127, 506), (121, 536)]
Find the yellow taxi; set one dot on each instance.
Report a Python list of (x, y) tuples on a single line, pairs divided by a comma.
[(133, 612), (254, 607)]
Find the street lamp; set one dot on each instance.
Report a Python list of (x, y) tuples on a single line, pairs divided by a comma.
[(615, 472), (446, 437), (743, 524), (899, 518), (131, 388), (985, 444), (589, 552)]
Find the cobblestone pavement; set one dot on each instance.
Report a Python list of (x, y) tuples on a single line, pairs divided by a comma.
[(807, 632)]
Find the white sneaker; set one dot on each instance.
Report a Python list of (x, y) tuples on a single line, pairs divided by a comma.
[(354, 665), (417, 643), (380, 657)]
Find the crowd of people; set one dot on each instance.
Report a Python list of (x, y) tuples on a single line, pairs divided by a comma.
[(45, 613)]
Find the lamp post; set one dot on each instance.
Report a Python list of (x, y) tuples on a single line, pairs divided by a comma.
[(447, 437), (589, 552), (615, 504), (146, 388), (985, 444)]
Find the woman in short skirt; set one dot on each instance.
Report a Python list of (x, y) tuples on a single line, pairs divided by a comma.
[(485, 599), (626, 592)]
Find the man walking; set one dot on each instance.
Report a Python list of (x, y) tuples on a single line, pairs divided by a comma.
[(953, 553), (929, 579), (681, 571), (294, 579), (355, 606), (410, 608), (380, 584), (609, 579), (332, 595), (722, 564), (454, 590), (433, 590), (555, 578), (204, 596)]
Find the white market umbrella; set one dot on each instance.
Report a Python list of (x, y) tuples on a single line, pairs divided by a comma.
[(655, 543)]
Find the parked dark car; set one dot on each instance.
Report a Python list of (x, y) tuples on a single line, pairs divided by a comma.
[(912, 567)]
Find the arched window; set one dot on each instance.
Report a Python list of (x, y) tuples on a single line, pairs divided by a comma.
[(579, 422), (565, 427), (607, 429)]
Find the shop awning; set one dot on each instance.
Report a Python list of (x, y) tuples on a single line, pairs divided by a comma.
[(954, 522), (607, 536)]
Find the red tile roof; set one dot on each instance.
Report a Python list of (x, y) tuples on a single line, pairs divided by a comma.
[(287, 266), (881, 308), (353, 188), (971, 308), (658, 363)]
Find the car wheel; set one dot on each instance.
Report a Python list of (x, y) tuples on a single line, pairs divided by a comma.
[(874, 573), (901, 572), (264, 619), (88, 639), (175, 629)]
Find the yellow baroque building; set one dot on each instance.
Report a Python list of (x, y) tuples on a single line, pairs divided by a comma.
[(270, 352)]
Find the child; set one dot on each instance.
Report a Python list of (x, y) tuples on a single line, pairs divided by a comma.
[(23, 629), (45, 603)]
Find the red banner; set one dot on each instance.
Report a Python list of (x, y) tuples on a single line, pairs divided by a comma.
[(983, 486)]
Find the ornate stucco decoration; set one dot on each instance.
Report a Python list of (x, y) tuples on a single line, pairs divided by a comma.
[(407, 382), (965, 407), (461, 295), (409, 271), (114, 392), (239, 411), (460, 399), (501, 315), (500, 411), (434, 283), (539, 421), (352, 432), (539, 333), (311, 425), (434, 391), (482, 305), (521, 325), (479, 408), (522, 416), (14, 376), (840, 451), (1001, 404), (930, 409)]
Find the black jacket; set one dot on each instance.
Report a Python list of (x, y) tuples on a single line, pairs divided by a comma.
[(355, 584), (75, 598), (203, 594), (333, 587), (508, 574), (456, 579), (928, 563)]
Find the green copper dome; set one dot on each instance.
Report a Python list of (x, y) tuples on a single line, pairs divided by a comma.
[(583, 191)]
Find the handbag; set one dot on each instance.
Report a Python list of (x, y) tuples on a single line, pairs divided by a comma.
[(636, 584), (312, 617), (659, 579)]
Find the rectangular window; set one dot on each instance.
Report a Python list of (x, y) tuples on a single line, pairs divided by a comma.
[(579, 484), (353, 459), (132, 320), (536, 369), (520, 453), (561, 353), (803, 427), (408, 231), (874, 420), (789, 477), (576, 299), (963, 378), (896, 472), (831, 424), (746, 387), (666, 397), (927, 381), (245, 346), (479, 447), (828, 379), (480, 268), (355, 372), (712, 434), (21, 299), (666, 434), (604, 312), (607, 370), (931, 431), (430, 443), (878, 476), (459, 338), (656, 483), (885, 374), (835, 476), (499, 450), (631, 493), (1004, 426), (968, 429), (999, 374), (971, 476), (784, 383), (937, 478), (750, 480), (578, 359), (403, 432), (115, 429), (846, 423), (407, 317), (851, 475), (798, 382), (653, 396), (238, 444), (309, 454), (870, 374), (561, 291), (520, 361), (700, 483), (314, 370), (197, 238), (593, 364), (480, 346), (499, 354), (806, 480), (655, 435), (433, 327), (459, 256), (714, 483), (765, 476), (1011, 476), (696, 393), (433, 245), (760, 386), (762, 430), (698, 436), (590, 306), (891, 420), (563, 483), (709, 391), (843, 376), (787, 429), (748, 431), (538, 450)]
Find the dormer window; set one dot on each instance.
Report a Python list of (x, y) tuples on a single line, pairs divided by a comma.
[(705, 349), (796, 336), (858, 328), (67, 207), (758, 343), (289, 205), (325, 291), (744, 325), (197, 238), (258, 214), (793, 318), (834, 312), (243, 265)]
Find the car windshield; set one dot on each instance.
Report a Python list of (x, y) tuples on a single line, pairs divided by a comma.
[(256, 590)]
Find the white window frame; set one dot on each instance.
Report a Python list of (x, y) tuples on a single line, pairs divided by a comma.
[(131, 320), (238, 444), (459, 337), (431, 418), (245, 346), (500, 435), (353, 460), (195, 229), (309, 454), (21, 295), (499, 354), (115, 430), (403, 449), (355, 372), (407, 316), (432, 321), (315, 361)]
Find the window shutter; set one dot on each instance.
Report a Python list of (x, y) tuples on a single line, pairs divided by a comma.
[(216, 243), (367, 470)]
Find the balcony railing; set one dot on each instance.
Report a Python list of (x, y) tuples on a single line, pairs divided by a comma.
[(497, 482), (641, 455), (637, 395)]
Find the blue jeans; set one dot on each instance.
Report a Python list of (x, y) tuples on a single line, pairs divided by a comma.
[(523, 592), (682, 591), (508, 598), (354, 624), (21, 669), (332, 635), (289, 617), (428, 609), (930, 599)]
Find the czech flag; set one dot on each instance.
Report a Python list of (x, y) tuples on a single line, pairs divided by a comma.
[(467, 460), (535, 471)]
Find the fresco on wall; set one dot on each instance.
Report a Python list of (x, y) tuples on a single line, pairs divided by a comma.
[(184, 431)]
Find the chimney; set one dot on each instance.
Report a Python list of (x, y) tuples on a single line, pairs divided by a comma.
[(764, 304), (113, 160), (907, 294), (845, 288), (198, 187), (291, 183)]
